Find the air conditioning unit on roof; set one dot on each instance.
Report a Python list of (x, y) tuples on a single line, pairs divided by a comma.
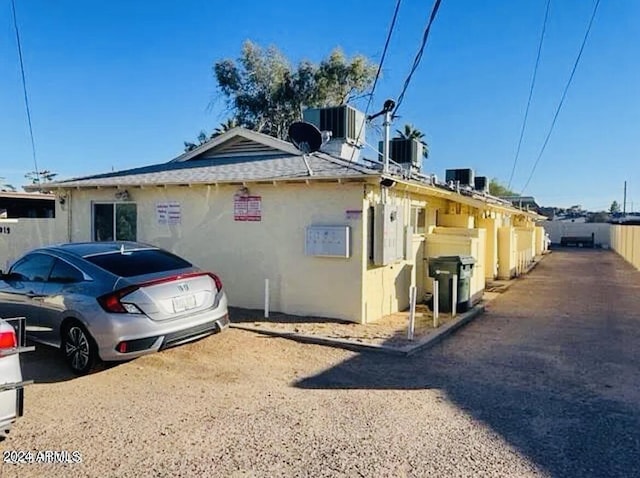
[(464, 177), (404, 152), (347, 127)]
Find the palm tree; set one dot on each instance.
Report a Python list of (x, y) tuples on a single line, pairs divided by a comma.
[(190, 146), (43, 176), (202, 137), (227, 125), (5, 187), (410, 132)]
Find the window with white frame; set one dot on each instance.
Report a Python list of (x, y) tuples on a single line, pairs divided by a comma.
[(418, 219), (115, 221)]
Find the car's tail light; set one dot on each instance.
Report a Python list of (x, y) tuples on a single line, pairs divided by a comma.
[(8, 339), (216, 279), (111, 302)]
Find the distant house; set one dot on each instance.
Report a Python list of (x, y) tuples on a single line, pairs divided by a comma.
[(17, 205), (333, 234), (548, 212), (527, 203)]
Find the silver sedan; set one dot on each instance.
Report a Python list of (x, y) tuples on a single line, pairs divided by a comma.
[(111, 300)]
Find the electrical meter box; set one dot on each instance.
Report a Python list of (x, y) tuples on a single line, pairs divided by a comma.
[(388, 242)]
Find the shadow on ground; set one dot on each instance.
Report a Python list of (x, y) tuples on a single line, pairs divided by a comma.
[(238, 315), (47, 365), (552, 367)]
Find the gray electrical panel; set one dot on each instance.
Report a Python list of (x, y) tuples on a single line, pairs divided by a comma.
[(388, 242)]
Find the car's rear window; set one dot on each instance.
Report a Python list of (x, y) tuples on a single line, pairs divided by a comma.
[(135, 263)]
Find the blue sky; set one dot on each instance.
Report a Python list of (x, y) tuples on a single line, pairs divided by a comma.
[(121, 84)]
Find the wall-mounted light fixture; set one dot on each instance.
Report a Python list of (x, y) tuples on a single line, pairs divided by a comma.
[(122, 195), (387, 182), (242, 192)]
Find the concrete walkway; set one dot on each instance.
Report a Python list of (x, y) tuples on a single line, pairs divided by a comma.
[(553, 367)]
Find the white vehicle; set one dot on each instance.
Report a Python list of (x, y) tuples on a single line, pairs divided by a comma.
[(11, 383)]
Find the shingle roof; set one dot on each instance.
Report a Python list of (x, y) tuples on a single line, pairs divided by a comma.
[(225, 159), (229, 169)]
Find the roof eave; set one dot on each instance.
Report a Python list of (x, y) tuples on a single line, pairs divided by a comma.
[(334, 178)]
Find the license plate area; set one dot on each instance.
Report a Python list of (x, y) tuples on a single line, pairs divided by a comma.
[(182, 303)]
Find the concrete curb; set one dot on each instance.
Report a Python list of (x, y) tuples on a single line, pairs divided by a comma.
[(446, 330), (317, 340), (352, 345)]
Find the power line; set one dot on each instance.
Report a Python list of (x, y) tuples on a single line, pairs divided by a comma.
[(24, 89), (418, 57), (564, 94), (375, 81), (533, 82)]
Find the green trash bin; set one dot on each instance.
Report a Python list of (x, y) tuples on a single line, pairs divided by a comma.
[(443, 269)]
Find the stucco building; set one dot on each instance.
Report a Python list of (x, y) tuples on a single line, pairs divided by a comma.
[(335, 237)]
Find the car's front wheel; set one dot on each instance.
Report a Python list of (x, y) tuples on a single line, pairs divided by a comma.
[(80, 351)]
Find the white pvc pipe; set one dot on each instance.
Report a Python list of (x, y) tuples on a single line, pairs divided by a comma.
[(436, 305), (266, 298), (412, 312), (454, 295)]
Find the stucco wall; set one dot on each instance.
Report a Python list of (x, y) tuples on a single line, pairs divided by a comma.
[(247, 253), (625, 240), (507, 252), (526, 246), (456, 220), (460, 241), (558, 229), (386, 288), (491, 248), (18, 236)]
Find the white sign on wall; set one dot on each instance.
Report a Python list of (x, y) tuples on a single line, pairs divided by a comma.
[(328, 241), (168, 213), (247, 208)]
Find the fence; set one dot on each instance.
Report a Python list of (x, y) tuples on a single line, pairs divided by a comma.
[(559, 229), (625, 240), (18, 236)]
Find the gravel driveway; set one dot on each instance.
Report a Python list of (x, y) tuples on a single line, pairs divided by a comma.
[(545, 384)]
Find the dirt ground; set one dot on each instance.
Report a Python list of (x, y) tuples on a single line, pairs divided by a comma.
[(544, 384), (390, 331)]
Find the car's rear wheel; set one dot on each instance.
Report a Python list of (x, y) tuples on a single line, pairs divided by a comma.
[(80, 351)]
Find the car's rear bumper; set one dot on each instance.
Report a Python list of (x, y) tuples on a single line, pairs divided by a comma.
[(143, 335), (11, 393)]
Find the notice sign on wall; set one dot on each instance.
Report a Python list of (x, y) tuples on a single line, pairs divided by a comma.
[(247, 208), (168, 213)]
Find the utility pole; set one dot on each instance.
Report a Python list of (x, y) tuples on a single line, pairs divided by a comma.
[(387, 111), (387, 139), (624, 203)]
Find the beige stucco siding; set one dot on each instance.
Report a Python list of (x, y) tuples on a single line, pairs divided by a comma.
[(247, 253), (19, 236)]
